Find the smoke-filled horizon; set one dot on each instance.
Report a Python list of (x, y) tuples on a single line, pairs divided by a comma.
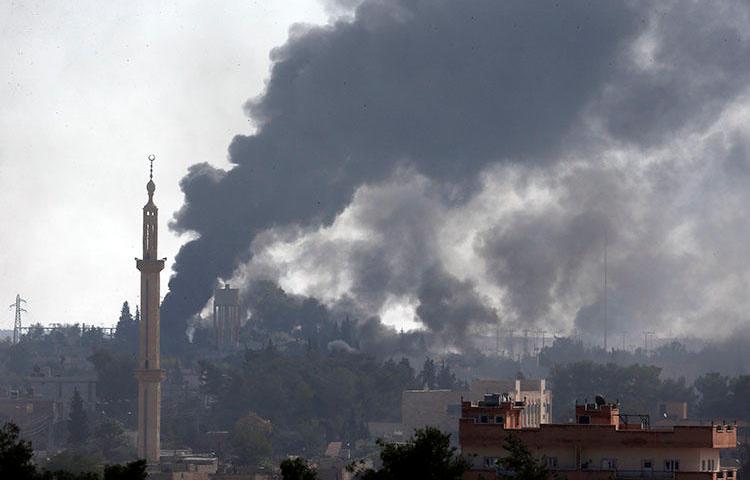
[(458, 165)]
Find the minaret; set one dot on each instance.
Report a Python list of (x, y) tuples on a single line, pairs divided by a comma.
[(149, 374)]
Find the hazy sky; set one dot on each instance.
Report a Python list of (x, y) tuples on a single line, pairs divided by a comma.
[(436, 163), (89, 91)]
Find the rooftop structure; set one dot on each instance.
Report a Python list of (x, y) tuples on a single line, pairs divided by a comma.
[(603, 443)]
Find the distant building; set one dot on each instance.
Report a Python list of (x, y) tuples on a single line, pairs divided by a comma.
[(442, 408), (227, 321), (672, 410), (35, 417), (185, 465), (534, 392), (333, 464), (61, 390), (434, 408), (603, 443)]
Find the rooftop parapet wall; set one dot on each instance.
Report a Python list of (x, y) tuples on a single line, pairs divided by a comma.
[(477, 435)]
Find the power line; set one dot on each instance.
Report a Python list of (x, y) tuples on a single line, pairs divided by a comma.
[(17, 323)]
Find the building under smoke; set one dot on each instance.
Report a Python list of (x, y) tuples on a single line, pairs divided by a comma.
[(227, 321)]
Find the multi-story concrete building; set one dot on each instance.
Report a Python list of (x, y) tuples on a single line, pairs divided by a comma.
[(603, 443), (442, 408), (534, 392)]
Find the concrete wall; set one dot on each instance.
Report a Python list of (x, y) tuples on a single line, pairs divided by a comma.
[(437, 408)]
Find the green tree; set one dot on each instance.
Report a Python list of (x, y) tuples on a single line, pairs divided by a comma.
[(72, 462), (715, 398), (126, 332), (428, 455), (116, 385), (520, 463), (428, 376), (78, 422), (15, 455), (19, 358), (109, 438), (251, 439), (297, 469), (637, 387), (740, 387), (129, 471)]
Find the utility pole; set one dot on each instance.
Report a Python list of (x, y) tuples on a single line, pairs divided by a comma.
[(606, 241), (526, 342), (17, 324), (645, 340)]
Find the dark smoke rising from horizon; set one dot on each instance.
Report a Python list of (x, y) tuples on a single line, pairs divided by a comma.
[(408, 119)]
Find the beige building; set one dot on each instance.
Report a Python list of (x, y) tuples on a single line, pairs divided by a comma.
[(434, 408)]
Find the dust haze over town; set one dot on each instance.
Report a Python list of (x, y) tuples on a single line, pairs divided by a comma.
[(360, 199)]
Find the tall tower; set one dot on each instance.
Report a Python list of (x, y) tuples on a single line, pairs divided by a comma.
[(227, 318), (148, 373), (17, 323)]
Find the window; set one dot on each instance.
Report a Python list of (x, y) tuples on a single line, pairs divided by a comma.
[(584, 420), (551, 462), (483, 419), (703, 465), (490, 462), (648, 464), (609, 464), (671, 465), (500, 419)]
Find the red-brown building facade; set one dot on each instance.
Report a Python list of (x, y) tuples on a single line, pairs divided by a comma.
[(603, 443)]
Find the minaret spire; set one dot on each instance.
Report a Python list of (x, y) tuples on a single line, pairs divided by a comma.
[(149, 373)]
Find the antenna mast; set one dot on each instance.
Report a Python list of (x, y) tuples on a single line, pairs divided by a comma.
[(606, 241), (17, 323)]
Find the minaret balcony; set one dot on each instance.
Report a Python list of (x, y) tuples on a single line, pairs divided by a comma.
[(151, 375), (150, 266)]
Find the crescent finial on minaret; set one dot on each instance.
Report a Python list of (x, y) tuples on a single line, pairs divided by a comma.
[(151, 159), (151, 186)]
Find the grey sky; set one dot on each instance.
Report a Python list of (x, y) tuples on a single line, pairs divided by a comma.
[(89, 90)]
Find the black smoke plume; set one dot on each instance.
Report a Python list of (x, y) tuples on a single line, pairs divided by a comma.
[(447, 89)]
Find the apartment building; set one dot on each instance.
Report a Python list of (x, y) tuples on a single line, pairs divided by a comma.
[(604, 443)]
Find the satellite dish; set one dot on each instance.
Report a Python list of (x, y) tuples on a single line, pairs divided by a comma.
[(599, 400)]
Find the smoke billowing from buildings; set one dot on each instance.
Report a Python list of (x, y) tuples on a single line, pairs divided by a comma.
[(463, 161)]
